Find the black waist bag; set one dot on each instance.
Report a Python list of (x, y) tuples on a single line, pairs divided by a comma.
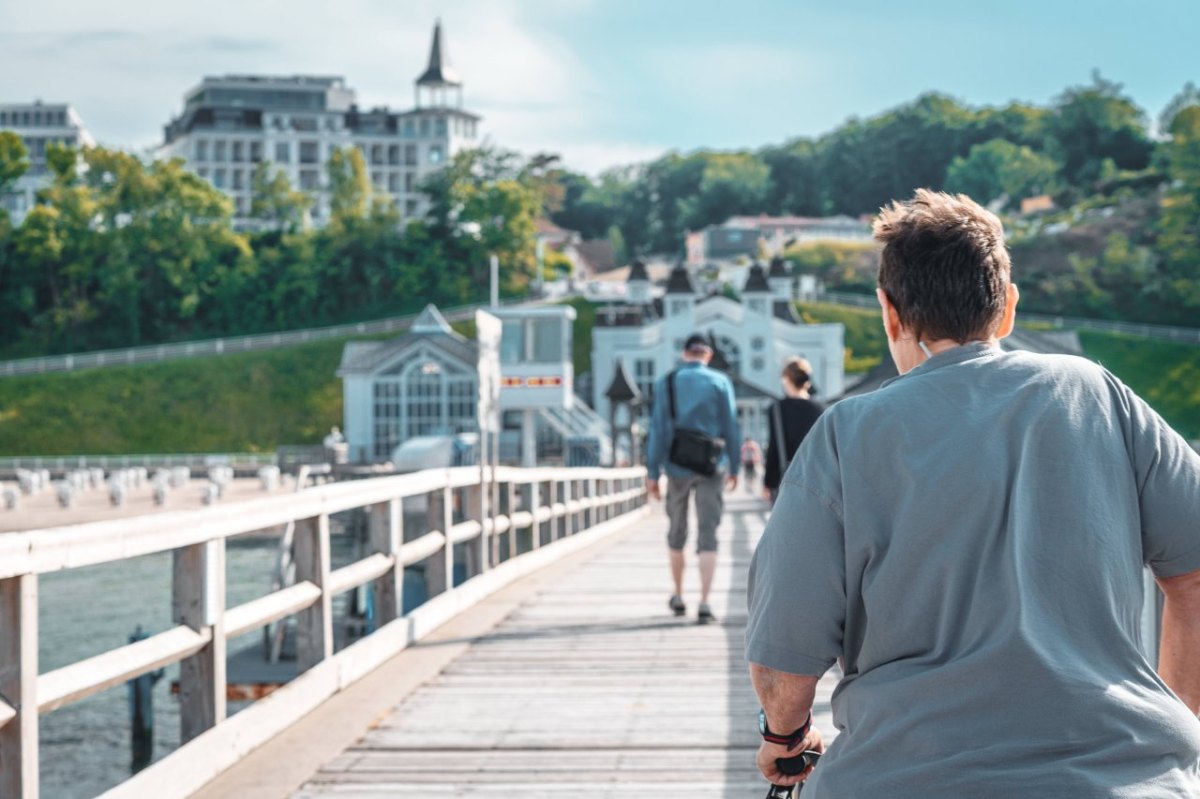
[(692, 449)]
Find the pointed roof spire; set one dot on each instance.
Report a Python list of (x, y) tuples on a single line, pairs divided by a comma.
[(432, 321), (623, 388), (756, 280), (679, 281), (439, 73), (637, 271)]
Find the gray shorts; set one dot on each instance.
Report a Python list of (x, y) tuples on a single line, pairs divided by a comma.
[(710, 504)]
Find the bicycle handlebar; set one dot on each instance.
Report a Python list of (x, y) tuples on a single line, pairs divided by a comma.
[(796, 765), (792, 766)]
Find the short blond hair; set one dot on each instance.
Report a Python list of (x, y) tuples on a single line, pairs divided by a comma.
[(944, 267)]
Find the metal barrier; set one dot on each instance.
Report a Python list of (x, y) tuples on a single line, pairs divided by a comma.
[(1181, 335), (220, 346), (194, 459), (563, 510)]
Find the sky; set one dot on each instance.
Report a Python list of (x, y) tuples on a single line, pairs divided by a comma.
[(601, 82)]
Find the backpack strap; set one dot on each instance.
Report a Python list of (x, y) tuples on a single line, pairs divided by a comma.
[(671, 393)]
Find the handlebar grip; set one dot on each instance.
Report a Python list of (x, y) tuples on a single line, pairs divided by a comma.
[(796, 765)]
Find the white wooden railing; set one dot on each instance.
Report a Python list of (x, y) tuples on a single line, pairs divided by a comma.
[(563, 510)]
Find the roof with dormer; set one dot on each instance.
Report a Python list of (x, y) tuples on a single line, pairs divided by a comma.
[(680, 281), (430, 328), (756, 281), (439, 73)]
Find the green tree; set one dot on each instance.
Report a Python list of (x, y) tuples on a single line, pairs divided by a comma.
[(730, 184), (14, 159), (1179, 222), (617, 241), (349, 185), (1095, 122), (999, 167), (274, 202), (1188, 97)]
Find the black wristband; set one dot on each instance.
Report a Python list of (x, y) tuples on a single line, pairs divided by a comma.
[(790, 741)]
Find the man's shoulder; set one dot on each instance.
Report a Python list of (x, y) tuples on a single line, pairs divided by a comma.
[(716, 376)]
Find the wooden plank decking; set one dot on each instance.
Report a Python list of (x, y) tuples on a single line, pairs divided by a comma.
[(589, 689)]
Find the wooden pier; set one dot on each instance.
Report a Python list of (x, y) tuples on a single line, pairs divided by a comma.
[(588, 687)]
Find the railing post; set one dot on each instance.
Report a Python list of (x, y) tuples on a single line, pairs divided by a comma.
[(593, 515), (198, 601), (535, 527), (477, 550), (385, 534), (510, 493), (314, 624), (439, 573), (18, 686)]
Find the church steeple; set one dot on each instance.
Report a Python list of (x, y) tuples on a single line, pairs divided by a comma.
[(439, 77)]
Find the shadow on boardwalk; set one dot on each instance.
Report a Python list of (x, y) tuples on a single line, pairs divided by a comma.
[(590, 688)]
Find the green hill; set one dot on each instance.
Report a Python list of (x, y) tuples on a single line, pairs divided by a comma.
[(253, 402), (248, 402)]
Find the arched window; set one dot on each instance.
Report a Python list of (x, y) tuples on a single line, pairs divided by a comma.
[(424, 399), (422, 395), (732, 353)]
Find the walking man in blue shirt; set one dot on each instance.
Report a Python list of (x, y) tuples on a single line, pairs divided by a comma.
[(692, 427)]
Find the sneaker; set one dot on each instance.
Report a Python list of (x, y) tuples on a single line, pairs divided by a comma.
[(705, 615), (676, 605)]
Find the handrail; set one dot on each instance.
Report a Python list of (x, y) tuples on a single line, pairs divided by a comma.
[(551, 503), (86, 677)]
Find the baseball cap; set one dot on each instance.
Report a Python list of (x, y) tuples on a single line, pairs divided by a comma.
[(697, 343)]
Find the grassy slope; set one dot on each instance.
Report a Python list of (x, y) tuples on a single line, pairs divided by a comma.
[(1164, 374), (865, 342), (256, 401), (239, 403)]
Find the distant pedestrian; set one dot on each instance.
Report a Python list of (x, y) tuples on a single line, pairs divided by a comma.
[(694, 421), (751, 458), (791, 419)]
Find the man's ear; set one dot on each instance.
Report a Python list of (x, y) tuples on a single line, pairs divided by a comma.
[(1009, 320), (891, 319)]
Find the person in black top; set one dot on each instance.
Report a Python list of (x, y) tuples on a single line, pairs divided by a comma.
[(789, 422)]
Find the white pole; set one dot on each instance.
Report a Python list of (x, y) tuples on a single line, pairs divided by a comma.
[(540, 278), (529, 438), (495, 282)]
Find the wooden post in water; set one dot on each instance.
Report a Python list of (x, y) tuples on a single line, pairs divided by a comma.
[(18, 686), (198, 601), (385, 537), (314, 624)]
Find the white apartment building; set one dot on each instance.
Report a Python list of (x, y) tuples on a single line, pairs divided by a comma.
[(38, 124), (230, 124)]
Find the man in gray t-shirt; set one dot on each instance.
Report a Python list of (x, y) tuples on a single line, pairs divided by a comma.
[(969, 540)]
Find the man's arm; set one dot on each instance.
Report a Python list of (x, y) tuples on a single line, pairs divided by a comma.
[(732, 436), (1178, 664), (658, 433), (787, 701)]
